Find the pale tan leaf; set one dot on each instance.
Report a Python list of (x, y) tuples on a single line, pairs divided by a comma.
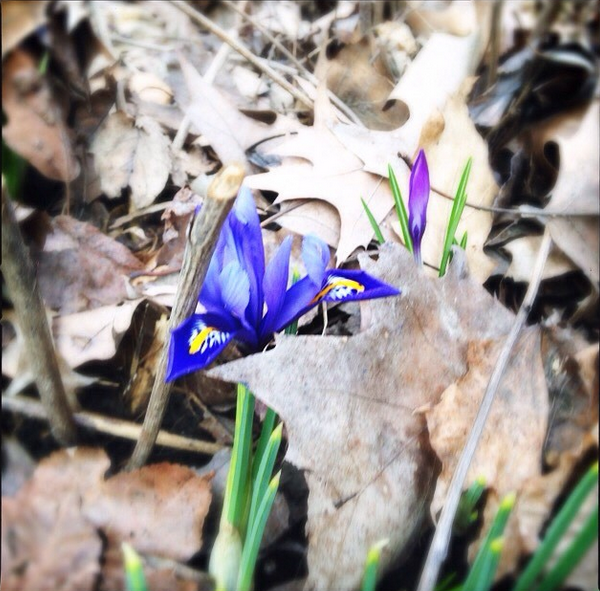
[(131, 154)]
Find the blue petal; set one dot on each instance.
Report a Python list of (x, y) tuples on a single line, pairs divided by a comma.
[(342, 285), (196, 342), (315, 254), (274, 287), (235, 289), (297, 301), (246, 241)]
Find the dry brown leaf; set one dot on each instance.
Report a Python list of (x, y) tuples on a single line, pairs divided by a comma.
[(43, 529), (577, 190), (53, 541), (35, 127), (20, 19), (133, 154), (358, 76), (81, 268), (159, 509), (348, 404), (228, 131), (517, 422)]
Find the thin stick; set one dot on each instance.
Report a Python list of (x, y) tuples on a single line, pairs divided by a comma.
[(21, 281), (242, 50), (117, 427), (201, 243), (441, 538)]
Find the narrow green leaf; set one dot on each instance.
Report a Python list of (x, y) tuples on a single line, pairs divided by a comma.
[(463, 241), (369, 581), (13, 169), (457, 209), (263, 474), (134, 572), (43, 66), (255, 534), (400, 209), (265, 434), (238, 479), (293, 327), (557, 529), (374, 224), (572, 555), (485, 564)]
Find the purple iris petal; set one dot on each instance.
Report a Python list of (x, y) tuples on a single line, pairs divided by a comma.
[(275, 286), (245, 301), (196, 342), (247, 241), (417, 202), (315, 254)]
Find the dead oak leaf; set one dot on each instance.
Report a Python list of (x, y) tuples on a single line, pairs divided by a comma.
[(81, 268), (134, 154), (349, 402), (317, 166)]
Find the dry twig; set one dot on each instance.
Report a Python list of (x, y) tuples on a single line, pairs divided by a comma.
[(441, 538), (202, 239), (20, 276), (117, 427)]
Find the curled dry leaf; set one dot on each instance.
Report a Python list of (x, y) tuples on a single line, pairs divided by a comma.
[(133, 154), (35, 127), (517, 422), (81, 268), (577, 188), (348, 404), (160, 509)]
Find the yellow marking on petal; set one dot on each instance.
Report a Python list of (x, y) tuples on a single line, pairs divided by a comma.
[(334, 283), (199, 338)]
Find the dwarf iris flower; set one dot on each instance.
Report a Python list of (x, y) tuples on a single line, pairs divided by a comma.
[(248, 302), (418, 198)]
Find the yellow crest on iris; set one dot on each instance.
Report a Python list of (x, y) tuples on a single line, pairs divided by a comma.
[(339, 288), (205, 337)]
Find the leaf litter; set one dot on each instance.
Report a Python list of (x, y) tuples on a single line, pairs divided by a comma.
[(374, 420)]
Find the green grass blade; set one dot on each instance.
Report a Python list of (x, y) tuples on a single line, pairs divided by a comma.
[(373, 221), (463, 241), (369, 581), (238, 478), (263, 474), (13, 169), (255, 534), (572, 555), (485, 564), (557, 529), (457, 209), (134, 572), (400, 209)]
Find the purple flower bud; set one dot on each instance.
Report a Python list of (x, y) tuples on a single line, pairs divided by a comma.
[(417, 203)]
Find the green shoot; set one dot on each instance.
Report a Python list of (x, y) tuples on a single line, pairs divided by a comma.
[(557, 529), (255, 534), (43, 65), (373, 221), (134, 573), (238, 480), (265, 468), (400, 209), (13, 168), (572, 555), (484, 567), (372, 564), (457, 209), (466, 513), (265, 433)]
